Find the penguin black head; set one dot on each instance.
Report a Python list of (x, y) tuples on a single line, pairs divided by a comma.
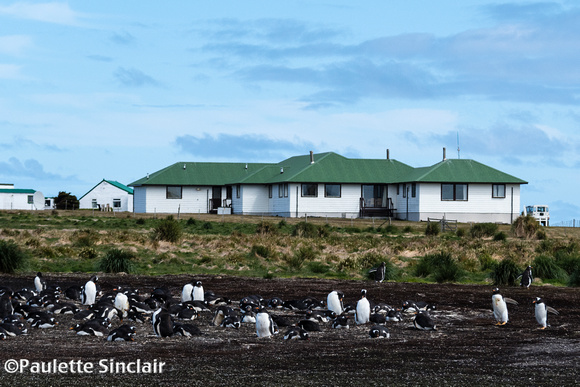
[(538, 300), (363, 293), (496, 291), (197, 283)]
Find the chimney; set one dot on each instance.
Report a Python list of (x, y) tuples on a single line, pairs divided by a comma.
[(311, 157), (184, 165), (388, 158), (281, 169), (444, 156), (147, 175), (246, 165)]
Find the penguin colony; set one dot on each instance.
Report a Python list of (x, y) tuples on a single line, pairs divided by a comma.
[(114, 315)]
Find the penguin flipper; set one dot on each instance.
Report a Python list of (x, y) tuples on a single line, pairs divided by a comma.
[(510, 301), (551, 310)]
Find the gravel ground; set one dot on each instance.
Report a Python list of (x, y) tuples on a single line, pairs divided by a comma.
[(466, 347)]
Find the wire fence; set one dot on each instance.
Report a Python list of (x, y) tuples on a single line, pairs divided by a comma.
[(567, 223)]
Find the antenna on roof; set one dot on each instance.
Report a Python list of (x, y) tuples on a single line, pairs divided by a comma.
[(458, 145)]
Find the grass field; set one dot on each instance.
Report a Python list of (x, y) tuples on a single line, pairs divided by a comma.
[(273, 247)]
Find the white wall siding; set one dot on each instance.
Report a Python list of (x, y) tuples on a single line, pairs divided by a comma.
[(17, 201), (153, 199)]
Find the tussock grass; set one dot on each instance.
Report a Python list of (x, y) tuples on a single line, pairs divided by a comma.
[(117, 261), (12, 257)]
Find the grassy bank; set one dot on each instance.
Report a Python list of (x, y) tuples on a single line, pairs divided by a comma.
[(86, 241)]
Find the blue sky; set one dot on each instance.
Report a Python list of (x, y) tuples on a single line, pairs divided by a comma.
[(119, 89)]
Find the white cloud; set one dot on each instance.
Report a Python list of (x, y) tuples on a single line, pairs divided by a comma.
[(10, 71), (14, 44), (57, 13)]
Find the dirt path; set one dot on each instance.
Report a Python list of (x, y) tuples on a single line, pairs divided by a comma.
[(466, 348)]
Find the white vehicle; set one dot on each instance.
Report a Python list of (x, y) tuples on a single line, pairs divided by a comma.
[(540, 212)]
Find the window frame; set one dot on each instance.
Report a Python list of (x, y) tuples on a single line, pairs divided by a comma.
[(174, 195), (326, 195), (454, 190), (413, 190), (270, 191), (238, 189), (30, 199), (493, 191), (117, 203), (306, 185)]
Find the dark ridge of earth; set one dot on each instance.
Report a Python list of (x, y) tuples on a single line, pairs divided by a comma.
[(467, 347)]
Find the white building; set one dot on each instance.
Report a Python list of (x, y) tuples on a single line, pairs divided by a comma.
[(20, 199), (108, 195)]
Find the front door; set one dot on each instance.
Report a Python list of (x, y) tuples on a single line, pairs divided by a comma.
[(216, 197), (373, 195)]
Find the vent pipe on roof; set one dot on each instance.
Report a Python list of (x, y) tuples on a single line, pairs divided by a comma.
[(311, 157), (246, 165), (184, 165), (281, 169), (388, 158), (444, 157), (147, 175)]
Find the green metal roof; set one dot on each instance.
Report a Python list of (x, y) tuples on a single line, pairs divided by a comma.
[(193, 173), (329, 168), (17, 190), (461, 171), (112, 182)]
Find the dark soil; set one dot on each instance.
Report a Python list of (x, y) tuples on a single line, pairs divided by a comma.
[(467, 348)]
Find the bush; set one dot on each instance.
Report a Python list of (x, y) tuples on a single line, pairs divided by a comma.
[(545, 267), (460, 232), (500, 236), (389, 229), (266, 228), (442, 266), (574, 279), (305, 253), (432, 228), (88, 253), (480, 230), (12, 258), (117, 261), (261, 251), (140, 221), (505, 273), (309, 230), (168, 230), (407, 229), (525, 227), (486, 262)]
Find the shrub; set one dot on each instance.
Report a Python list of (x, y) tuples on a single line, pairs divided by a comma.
[(207, 225), (261, 251), (407, 229), (12, 258), (432, 228), (305, 253), (525, 227), (486, 262), (568, 262), (545, 267), (479, 230), (140, 221), (389, 229), (441, 265), (88, 253), (309, 230), (117, 261), (266, 228), (318, 267), (168, 230), (505, 272), (500, 236), (460, 232), (574, 279)]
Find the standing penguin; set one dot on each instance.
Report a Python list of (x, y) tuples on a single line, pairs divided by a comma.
[(380, 273), (542, 312), (162, 323), (187, 292), (499, 305), (198, 293), (89, 291), (363, 309), (526, 277), (265, 326), (334, 301), (39, 282)]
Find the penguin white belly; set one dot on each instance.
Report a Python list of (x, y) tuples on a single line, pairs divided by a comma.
[(541, 315), (90, 293), (186, 293), (333, 303), (122, 303), (500, 311), (198, 294), (263, 323), (363, 311), (38, 285)]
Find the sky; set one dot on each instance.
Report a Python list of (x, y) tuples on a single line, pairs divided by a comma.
[(93, 90)]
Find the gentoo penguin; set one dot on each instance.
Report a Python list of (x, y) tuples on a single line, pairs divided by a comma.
[(378, 318), (186, 330), (379, 332), (187, 292), (499, 304), (542, 312), (423, 321), (122, 303), (340, 322), (309, 325), (265, 326), (6, 307), (39, 282), (89, 291), (296, 333), (363, 309), (380, 273), (526, 277), (198, 294), (162, 323), (123, 333), (394, 315), (334, 301)]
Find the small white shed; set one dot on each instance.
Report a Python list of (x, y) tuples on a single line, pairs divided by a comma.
[(108, 195), (20, 199)]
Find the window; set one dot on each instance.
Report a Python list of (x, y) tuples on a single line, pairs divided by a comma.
[(228, 192), (398, 188), (332, 190), (310, 190), (94, 203), (453, 191), (30, 199), (404, 190), (413, 190), (173, 192), (270, 191), (238, 189), (285, 190), (498, 191), (116, 203)]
